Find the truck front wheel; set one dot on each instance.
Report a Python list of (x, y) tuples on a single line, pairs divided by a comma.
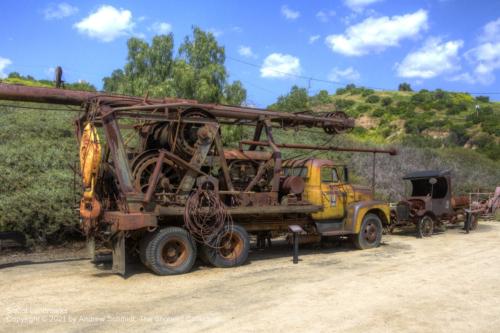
[(168, 251), (232, 248), (370, 233)]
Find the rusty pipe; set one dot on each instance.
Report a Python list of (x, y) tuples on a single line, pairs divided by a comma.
[(391, 152), (121, 103)]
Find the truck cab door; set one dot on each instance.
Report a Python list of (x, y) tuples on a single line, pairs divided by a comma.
[(332, 194)]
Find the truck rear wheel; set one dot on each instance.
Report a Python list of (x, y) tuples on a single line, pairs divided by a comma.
[(425, 226), (168, 251), (232, 249), (370, 233)]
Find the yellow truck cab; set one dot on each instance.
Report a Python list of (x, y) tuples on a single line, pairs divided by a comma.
[(346, 209)]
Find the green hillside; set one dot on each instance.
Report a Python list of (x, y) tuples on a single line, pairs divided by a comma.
[(436, 119), (431, 130)]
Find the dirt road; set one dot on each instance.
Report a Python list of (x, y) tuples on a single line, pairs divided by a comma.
[(447, 283)]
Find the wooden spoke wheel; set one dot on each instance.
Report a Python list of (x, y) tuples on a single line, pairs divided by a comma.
[(425, 226)]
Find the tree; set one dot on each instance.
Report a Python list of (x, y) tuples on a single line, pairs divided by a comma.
[(296, 100), (322, 97), (404, 87), (198, 72), (148, 69), (235, 94)]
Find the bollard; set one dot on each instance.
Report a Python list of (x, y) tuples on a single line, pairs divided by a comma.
[(296, 230), (467, 222), (295, 248)]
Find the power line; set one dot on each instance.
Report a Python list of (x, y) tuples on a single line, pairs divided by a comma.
[(310, 78)]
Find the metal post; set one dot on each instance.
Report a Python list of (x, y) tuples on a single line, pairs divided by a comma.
[(296, 230), (373, 175), (467, 223), (295, 248)]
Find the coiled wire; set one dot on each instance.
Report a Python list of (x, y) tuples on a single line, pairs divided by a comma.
[(207, 218)]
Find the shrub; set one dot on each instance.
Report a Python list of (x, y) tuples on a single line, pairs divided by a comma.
[(372, 99), (404, 87), (362, 108), (378, 113), (344, 104), (367, 92), (36, 196), (484, 99), (483, 140), (386, 101), (458, 135), (322, 97)]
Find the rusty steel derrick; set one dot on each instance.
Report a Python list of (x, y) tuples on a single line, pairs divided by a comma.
[(179, 142), (180, 169)]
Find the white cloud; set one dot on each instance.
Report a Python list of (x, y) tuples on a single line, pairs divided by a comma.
[(463, 77), (491, 31), (346, 74), (161, 28), (314, 38), (432, 59), (289, 14), (485, 57), (106, 24), (359, 5), (277, 65), (4, 62), (324, 16), (59, 11), (377, 34), (246, 51), (216, 32)]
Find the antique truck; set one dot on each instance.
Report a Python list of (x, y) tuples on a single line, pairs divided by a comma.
[(431, 204), (157, 180)]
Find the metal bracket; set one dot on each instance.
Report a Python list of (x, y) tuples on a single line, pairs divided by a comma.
[(119, 253)]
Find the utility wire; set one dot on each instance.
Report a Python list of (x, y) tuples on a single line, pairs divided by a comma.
[(310, 78)]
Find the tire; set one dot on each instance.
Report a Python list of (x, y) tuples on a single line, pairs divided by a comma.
[(232, 249), (168, 251), (143, 243), (425, 226), (370, 233)]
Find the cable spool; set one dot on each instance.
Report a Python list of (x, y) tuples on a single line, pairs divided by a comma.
[(184, 135)]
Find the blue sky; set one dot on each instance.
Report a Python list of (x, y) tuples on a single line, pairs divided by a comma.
[(270, 45)]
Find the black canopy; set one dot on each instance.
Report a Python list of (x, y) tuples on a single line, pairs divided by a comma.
[(426, 174)]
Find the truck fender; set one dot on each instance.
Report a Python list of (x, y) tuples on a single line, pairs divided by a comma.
[(357, 210)]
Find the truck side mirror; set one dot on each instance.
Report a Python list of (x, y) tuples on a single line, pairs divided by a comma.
[(346, 175)]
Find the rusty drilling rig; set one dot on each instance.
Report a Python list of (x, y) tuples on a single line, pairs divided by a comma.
[(158, 181)]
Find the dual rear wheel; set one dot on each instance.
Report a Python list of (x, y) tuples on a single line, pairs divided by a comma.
[(172, 250)]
